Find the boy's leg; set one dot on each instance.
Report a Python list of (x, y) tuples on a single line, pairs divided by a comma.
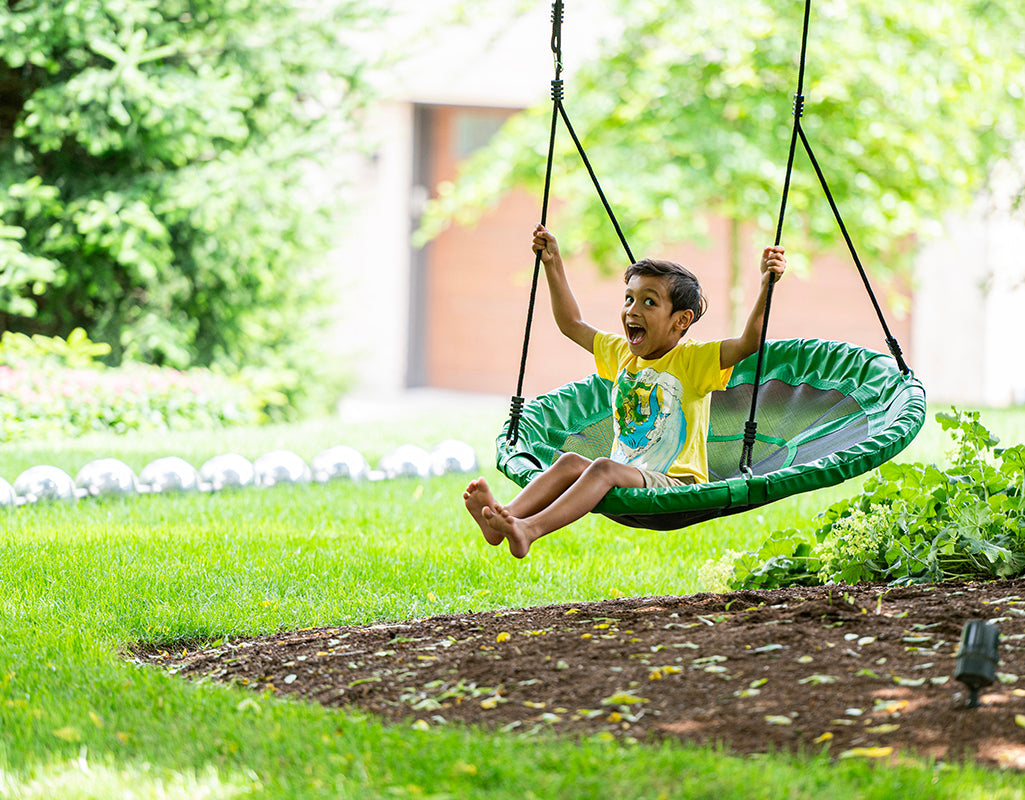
[(580, 498), (547, 487), (537, 494)]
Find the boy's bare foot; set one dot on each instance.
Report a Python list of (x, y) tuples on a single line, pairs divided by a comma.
[(509, 527), (477, 498)]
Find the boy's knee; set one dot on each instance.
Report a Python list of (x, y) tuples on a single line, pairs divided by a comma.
[(603, 466), (572, 460)]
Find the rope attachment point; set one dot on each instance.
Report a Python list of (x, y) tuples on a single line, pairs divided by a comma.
[(750, 437), (515, 413), (898, 354), (557, 17), (557, 86)]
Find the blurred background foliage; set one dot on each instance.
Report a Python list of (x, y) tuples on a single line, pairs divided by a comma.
[(158, 157), (156, 165), (910, 105)]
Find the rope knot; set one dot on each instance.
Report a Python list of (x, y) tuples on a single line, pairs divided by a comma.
[(750, 433), (557, 17), (515, 412), (798, 105), (557, 90)]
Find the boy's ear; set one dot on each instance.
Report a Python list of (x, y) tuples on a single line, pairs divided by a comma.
[(684, 319)]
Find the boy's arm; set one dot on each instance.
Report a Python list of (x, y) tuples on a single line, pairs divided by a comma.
[(564, 304), (733, 351)]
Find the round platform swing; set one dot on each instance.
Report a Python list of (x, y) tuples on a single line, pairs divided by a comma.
[(802, 413)]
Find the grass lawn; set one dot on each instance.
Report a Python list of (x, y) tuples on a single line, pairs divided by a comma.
[(78, 582)]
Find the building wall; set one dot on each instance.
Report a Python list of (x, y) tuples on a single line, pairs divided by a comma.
[(969, 296), (371, 261)]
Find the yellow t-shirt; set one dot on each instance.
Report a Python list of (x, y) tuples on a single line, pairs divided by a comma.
[(661, 407)]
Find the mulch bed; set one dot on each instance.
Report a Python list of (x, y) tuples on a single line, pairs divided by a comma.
[(862, 671)]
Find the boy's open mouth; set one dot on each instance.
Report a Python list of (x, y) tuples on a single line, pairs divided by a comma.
[(634, 334)]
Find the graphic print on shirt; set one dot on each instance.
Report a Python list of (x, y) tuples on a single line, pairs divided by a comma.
[(650, 424)]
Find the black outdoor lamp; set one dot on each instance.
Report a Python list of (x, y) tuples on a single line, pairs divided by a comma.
[(977, 658)]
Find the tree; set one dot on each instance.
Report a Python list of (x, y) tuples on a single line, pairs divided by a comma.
[(155, 158), (688, 113)]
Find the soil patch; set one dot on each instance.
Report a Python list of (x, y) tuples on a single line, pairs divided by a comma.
[(861, 671)]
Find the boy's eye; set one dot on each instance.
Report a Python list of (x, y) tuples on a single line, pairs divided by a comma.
[(649, 302)]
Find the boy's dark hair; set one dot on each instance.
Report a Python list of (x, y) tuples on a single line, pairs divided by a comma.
[(684, 289)]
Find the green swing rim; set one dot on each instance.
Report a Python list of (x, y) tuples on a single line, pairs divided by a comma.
[(893, 403)]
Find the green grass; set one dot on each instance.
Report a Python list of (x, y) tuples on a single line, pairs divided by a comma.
[(80, 582)]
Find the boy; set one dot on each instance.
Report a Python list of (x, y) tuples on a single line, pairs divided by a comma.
[(660, 396)]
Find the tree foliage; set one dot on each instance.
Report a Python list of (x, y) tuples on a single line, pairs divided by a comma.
[(154, 168), (689, 113)]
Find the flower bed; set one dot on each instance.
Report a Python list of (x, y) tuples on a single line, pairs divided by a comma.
[(48, 400)]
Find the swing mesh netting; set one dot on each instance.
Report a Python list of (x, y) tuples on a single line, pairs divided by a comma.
[(827, 411)]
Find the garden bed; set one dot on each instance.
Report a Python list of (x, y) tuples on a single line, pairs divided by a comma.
[(861, 671)]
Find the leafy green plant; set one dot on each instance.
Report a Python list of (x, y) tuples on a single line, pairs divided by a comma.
[(911, 523), (75, 351)]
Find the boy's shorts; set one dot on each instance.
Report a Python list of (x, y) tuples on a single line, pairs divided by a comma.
[(659, 480)]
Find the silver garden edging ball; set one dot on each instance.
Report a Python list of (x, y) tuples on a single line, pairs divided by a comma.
[(106, 476), (169, 474), (453, 455), (8, 497), (340, 462), (45, 483), (227, 471), (280, 466), (406, 461)]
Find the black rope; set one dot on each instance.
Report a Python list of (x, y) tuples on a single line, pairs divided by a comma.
[(594, 180), (751, 427), (891, 342), (516, 405), (558, 110)]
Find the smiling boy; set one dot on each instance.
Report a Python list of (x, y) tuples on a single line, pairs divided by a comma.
[(660, 396)]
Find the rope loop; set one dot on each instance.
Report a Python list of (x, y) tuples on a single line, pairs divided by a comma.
[(557, 90)]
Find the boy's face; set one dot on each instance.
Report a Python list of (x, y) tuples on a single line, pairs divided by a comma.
[(652, 327)]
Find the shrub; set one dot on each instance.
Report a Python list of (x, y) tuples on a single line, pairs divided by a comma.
[(911, 523)]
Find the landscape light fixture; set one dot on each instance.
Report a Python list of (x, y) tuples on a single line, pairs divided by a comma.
[(977, 657)]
